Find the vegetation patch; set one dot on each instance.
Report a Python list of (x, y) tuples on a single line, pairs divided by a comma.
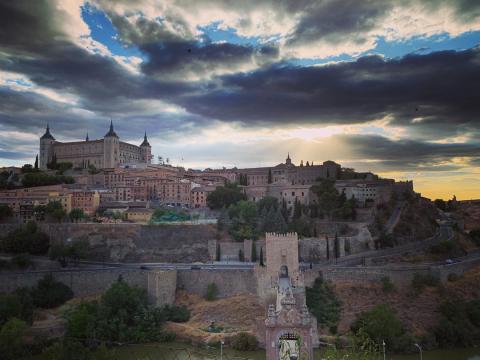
[(324, 305), (28, 239), (381, 324), (422, 281), (244, 342)]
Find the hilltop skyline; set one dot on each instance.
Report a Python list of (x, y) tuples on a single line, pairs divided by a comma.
[(379, 86)]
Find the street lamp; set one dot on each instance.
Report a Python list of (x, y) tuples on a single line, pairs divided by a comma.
[(419, 349), (221, 349), (383, 344)]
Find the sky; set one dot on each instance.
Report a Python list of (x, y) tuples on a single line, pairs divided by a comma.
[(389, 86)]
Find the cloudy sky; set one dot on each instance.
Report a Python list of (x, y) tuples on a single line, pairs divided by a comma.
[(388, 86)]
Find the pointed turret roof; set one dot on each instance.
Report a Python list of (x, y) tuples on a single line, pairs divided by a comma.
[(111, 132), (47, 134), (145, 140)]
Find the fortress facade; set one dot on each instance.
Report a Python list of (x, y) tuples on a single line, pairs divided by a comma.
[(105, 153)]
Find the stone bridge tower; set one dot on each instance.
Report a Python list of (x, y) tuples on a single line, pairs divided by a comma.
[(291, 332)]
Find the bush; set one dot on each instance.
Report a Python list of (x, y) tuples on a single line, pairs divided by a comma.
[(420, 282), (176, 313), (443, 248), (21, 261), (212, 292), (122, 315), (459, 324), (323, 303), (16, 305), (50, 293), (453, 277), (475, 236), (387, 284), (28, 239), (244, 342), (11, 339), (380, 324)]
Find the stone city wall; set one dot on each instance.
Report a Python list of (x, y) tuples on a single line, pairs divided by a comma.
[(135, 242), (399, 275), (82, 282), (229, 282)]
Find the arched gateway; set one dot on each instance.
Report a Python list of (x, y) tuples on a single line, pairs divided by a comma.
[(290, 329)]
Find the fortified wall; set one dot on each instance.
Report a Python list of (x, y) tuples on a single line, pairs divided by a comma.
[(135, 242), (161, 285)]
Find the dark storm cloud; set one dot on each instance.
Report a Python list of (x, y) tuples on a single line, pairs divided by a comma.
[(335, 20), (438, 90), (191, 58), (408, 154)]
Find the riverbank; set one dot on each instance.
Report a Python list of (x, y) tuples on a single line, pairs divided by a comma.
[(181, 351)]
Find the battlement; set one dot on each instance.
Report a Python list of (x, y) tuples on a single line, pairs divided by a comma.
[(281, 235)]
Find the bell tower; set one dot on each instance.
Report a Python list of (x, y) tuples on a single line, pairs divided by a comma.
[(46, 148), (111, 148), (146, 150)]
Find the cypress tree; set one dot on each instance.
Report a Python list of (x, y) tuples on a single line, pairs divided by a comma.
[(269, 176), (328, 249), (218, 254), (36, 162), (254, 252), (261, 257), (240, 255), (336, 245)]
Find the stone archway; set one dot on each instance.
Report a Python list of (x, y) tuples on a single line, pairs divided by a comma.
[(289, 346), (284, 271)]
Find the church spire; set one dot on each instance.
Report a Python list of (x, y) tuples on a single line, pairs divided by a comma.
[(288, 161), (47, 134), (111, 132), (145, 140)]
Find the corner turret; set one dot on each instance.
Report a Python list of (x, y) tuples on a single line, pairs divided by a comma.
[(146, 150), (46, 148)]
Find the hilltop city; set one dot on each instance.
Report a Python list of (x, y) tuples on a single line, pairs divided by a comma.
[(288, 258)]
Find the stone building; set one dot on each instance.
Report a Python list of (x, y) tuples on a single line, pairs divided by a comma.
[(290, 173), (291, 331), (108, 152)]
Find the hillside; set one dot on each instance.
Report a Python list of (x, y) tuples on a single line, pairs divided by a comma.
[(418, 313)]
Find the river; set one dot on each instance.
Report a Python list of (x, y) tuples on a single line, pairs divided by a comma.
[(179, 351)]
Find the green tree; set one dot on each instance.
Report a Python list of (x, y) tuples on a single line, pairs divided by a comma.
[(269, 176), (261, 257), (36, 162), (323, 304), (380, 324), (440, 204), (5, 211), (212, 292), (244, 341), (328, 197), (18, 304), (328, 248), (50, 293), (224, 196), (27, 238), (55, 210), (336, 245), (243, 216), (76, 215), (475, 236), (11, 339), (241, 257), (218, 255), (254, 252)]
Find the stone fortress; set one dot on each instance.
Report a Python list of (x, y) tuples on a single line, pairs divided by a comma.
[(290, 329), (105, 153)]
